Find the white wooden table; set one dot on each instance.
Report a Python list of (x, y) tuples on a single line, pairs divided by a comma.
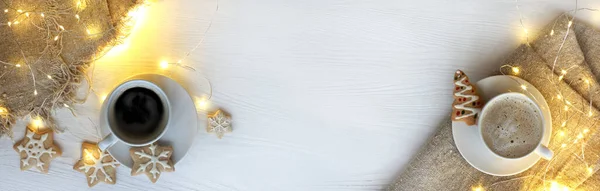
[(325, 94)]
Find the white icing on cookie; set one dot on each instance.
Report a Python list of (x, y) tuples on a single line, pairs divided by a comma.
[(462, 106)]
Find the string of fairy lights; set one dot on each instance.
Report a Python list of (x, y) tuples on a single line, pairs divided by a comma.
[(567, 113)]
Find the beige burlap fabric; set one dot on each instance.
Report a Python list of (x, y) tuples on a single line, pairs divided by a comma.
[(45, 48), (439, 165)]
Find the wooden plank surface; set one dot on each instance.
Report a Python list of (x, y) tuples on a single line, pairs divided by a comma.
[(325, 95)]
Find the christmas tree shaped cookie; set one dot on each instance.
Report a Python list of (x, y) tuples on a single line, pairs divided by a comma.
[(466, 101)]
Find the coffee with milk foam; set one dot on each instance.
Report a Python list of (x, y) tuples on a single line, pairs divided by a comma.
[(512, 126)]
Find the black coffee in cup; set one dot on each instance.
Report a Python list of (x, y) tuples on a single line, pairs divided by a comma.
[(138, 113)]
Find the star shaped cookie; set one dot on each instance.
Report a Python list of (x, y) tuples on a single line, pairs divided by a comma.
[(96, 165), (151, 160), (219, 123), (37, 149)]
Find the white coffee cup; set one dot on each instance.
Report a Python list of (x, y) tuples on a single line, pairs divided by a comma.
[(540, 150), (114, 130)]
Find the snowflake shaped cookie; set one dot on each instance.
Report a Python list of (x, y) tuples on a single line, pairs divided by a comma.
[(219, 123), (37, 149), (151, 160), (96, 165)]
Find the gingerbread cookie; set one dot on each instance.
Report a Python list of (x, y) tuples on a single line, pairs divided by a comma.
[(466, 100), (219, 123), (37, 149), (96, 165), (151, 160)]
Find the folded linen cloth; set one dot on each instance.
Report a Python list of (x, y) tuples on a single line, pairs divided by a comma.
[(439, 165)]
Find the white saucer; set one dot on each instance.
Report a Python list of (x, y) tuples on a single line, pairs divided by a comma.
[(472, 147), (181, 131)]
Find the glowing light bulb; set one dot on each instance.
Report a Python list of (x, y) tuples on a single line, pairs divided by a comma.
[(164, 64), (523, 87), (42, 14), (515, 70), (563, 145), (558, 96), (103, 97), (552, 32), (560, 77), (580, 136), (563, 72), (3, 110), (6, 10), (561, 133), (77, 16), (590, 170), (88, 157), (49, 77), (526, 31), (64, 104), (18, 65), (201, 103), (590, 114), (586, 130), (37, 122), (555, 186), (9, 24), (20, 11), (566, 108), (570, 23), (35, 92), (55, 38), (568, 102), (61, 27), (27, 14), (477, 188), (88, 31), (16, 23)]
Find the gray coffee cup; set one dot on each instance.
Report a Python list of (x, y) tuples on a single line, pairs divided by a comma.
[(116, 130)]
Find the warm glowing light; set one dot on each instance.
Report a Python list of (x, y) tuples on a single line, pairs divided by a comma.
[(9, 24), (586, 130), (49, 76), (88, 157), (590, 114), (566, 108), (558, 96), (164, 64), (18, 65), (555, 186), (563, 72), (561, 133), (27, 14), (552, 32), (523, 87), (6, 10), (20, 11), (61, 27), (568, 102), (42, 14), (103, 97), (526, 31), (67, 106), (201, 103), (16, 23), (570, 23), (590, 170), (77, 16), (477, 188), (88, 31), (563, 145), (515, 70), (36, 123), (560, 77), (3, 110), (580, 136), (35, 92), (55, 38), (587, 81)]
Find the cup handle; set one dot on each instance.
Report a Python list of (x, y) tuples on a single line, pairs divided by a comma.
[(544, 152), (108, 141)]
